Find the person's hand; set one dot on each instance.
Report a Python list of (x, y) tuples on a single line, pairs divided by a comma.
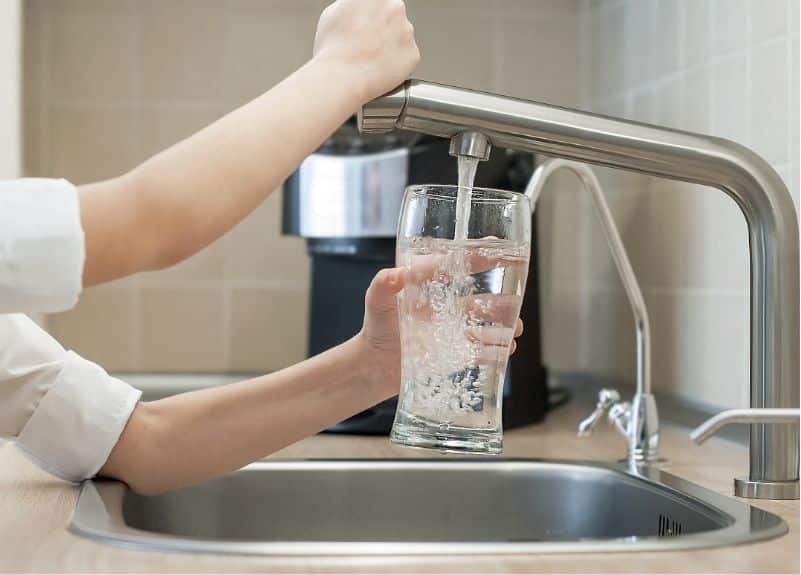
[(380, 334), (371, 40)]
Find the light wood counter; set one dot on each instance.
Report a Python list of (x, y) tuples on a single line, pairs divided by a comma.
[(35, 511)]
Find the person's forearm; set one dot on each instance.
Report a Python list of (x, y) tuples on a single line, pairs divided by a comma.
[(194, 436), (192, 193)]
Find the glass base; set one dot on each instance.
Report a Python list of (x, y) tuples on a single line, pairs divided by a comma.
[(411, 431)]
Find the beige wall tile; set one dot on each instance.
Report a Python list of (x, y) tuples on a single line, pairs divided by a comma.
[(667, 42), (609, 53), (530, 7), (102, 327), (769, 19), (699, 238), (560, 217), (643, 106), (183, 329), (527, 66), (33, 87), (630, 206), (447, 59), (730, 117), (697, 39), (562, 332), (641, 53), (697, 87), (701, 346), (608, 335), (730, 31), (206, 265), (255, 249), (182, 48), (31, 141), (795, 108), (163, 125), (770, 124), (90, 144), (669, 105), (92, 56), (265, 42), (271, 328)]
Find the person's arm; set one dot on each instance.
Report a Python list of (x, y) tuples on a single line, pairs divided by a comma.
[(198, 435), (182, 199), (194, 436)]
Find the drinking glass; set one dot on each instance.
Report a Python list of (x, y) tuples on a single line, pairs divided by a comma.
[(457, 314)]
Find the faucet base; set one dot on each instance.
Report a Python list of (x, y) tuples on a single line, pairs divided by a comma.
[(766, 489)]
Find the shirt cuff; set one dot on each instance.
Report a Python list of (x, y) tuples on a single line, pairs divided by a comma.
[(78, 421), (42, 246)]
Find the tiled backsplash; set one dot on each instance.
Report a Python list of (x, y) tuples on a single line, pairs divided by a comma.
[(110, 82), (722, 67)]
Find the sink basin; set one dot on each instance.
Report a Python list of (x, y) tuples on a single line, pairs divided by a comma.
[(453, 506)]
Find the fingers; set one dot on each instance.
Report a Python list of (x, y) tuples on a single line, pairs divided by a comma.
[(490, 335), (428, 266), (385, 286), (495, 340)]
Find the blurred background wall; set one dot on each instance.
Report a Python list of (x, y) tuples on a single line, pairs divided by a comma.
[(109, 82)]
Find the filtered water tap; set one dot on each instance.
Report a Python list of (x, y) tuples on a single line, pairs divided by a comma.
[(759, 192), (637, 421)]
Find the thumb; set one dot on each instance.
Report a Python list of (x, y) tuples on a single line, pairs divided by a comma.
[(385, 286)]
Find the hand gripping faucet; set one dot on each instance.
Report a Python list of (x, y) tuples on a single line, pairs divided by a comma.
[(763, 198)]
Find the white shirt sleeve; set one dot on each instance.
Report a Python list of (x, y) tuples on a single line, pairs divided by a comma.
[(41, 246), (65, 412)]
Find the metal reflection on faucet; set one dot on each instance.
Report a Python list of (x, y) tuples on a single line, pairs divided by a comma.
[(763, 198)]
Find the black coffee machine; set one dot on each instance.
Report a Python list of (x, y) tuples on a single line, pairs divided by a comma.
[(345, 200)]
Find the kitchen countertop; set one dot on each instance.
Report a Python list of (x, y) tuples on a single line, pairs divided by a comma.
[(35, 510)]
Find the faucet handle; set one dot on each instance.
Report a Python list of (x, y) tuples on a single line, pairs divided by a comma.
[(751, 415), (607, 399)]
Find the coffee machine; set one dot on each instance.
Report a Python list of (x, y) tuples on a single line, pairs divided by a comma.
[(344, 199)]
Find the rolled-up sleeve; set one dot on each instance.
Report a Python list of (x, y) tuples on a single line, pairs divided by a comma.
[(64, 412), (41, 246)]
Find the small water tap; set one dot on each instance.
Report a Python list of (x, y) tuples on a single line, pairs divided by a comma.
[(607, 398), (637, 421)]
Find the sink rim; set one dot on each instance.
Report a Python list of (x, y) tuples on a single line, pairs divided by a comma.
[(98, 516)]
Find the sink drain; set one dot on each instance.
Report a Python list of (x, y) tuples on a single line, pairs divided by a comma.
[(668, 527)]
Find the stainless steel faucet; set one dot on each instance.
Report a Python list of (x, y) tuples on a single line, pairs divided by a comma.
[(638, 420), (745, 177)]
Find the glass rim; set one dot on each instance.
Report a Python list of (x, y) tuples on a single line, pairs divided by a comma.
[(485, 195)]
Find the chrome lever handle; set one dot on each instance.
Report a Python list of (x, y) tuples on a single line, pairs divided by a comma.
[(607, 398), (620, 416), (751, 415)]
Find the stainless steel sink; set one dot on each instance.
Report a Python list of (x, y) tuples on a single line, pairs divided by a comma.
[(423, 507)]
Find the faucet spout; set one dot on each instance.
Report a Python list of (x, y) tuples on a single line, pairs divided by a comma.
[(472, 145), (763, 198)]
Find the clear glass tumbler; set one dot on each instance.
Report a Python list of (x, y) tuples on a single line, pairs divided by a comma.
[(458, 312)]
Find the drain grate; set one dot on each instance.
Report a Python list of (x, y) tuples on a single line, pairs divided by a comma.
[(668, 527)]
